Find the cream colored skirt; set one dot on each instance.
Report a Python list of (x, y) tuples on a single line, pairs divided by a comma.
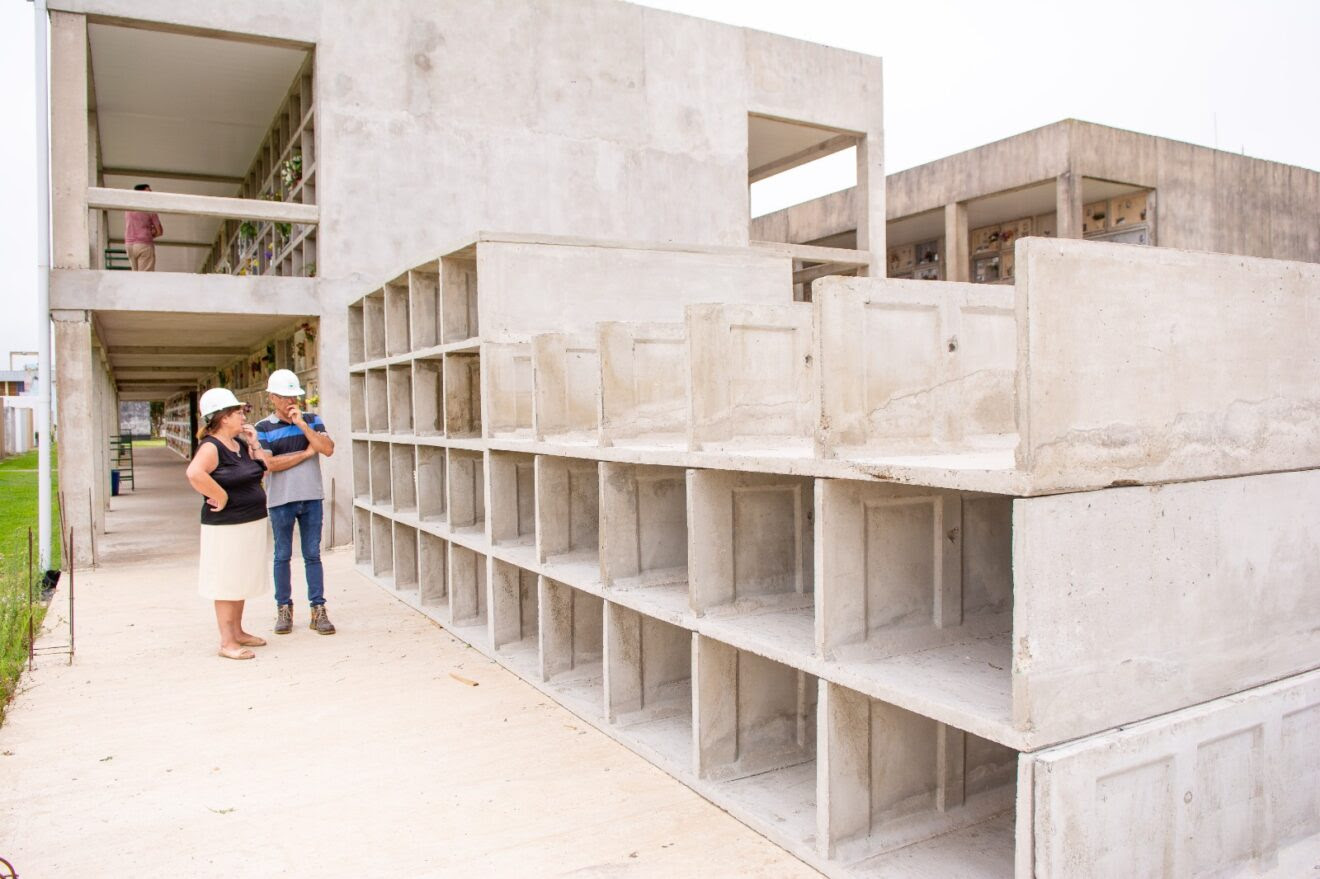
[(236, 561)]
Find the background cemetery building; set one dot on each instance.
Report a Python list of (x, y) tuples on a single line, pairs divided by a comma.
[(809, 558)]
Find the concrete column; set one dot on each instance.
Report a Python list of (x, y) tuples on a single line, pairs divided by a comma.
[(70, 154), (1068, 205), (77, 435), (871, 175), (957, 247)]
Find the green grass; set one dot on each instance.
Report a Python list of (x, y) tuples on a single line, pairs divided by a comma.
[(149, 443), (18, 512)]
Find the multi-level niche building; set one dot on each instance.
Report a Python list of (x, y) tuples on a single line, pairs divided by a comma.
[(915, 578)]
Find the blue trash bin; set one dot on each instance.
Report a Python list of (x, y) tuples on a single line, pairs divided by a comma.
[(114, 483)]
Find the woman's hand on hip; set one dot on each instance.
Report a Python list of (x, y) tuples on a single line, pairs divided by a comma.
[(218, 503)]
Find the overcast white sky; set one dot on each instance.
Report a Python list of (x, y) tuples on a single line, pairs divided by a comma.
[(1237, 75)]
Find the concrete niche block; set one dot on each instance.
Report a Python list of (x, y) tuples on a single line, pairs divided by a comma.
[(424, 306), (466, 486), (506, 395), (462, 390), (405, 558), (373, 325), (566, 387), (357, 401), (568, 514), (361, 537), (467, 589), (361, 470), (357, 352), (908, 568), (428, 401), (572, 643), (512, 499), (397, 335), (458, 294), (400, 398), (382, 488), (432, 571), (930, 365), (382, 548), (644, 383), (431, 496), (403, 477), (648, 681), (514, 614), (890, 778), (755, 723), (378, 401), (644, 534), (752, 376)]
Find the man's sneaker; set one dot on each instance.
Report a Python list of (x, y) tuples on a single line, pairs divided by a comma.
[(284, 619), (320, 621)]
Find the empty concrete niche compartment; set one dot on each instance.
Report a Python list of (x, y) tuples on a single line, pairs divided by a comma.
[(458, 294), (648, 682), (572, 645), (403, 478), (400, 398), (433, 573), (405, 558), (892, 780), (424, 306), (431, 498), (644, 537), (752, 377), (362, 538), (568, 517), (514, 615), (428, 380), (566, 388), (373, 325), (750, 557), (462, 390), (382, 489), (512, 502), (507, 373), (382, 549), (397, 333), (378, 401), (357, 401), (465, 483), (755, 723), (361, 470), (357, 352), (467, 592), (643, 384)]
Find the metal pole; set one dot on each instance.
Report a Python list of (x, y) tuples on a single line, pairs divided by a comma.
[(31, 640), (41, 22), (70, 601)]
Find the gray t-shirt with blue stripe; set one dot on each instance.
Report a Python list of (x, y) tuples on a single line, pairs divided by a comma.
[(300, 483)]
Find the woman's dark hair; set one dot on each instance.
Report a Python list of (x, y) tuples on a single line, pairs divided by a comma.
[(213, 422), (140, 187)]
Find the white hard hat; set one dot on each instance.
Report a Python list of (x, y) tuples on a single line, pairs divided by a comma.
[(216, 399), (283, 383)]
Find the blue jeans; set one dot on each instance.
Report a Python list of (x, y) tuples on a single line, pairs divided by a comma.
[(308, 516)]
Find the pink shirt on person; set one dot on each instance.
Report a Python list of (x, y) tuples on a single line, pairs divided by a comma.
[(140, 227)]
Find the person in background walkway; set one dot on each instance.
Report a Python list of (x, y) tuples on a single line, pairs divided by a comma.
[(141, 230), (227, 471), (294, 439)]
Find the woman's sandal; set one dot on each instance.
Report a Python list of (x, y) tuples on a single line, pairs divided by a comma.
[(237, 654), (252, 641)]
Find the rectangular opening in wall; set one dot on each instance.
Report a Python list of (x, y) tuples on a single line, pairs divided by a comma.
[(382, 489), (513, 500), (433, 572), (466, 483), (462, 389), (378, 401), (644, 536), (405, 558), (397, 339), (644, 384), (428, 396), (467, 592), (756, 735), (424, 306), (431, 484), (400, 398), (382, 548), (357, 351), (373, 325), (572, 645), (566, 405), (899, 781), (515, 615), (357, 401), (791, 162), (458, 291), (568, 517), (362, 537), (361, 470), (403, 474), (649, 685), (507, 373)]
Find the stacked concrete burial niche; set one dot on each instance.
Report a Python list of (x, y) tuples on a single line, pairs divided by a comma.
[(915, 579)]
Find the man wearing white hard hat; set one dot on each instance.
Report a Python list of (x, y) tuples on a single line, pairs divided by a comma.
[(295, 440)]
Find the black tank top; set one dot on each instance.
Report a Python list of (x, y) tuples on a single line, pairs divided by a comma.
[(239, 475)]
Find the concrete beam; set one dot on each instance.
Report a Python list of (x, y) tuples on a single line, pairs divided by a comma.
[(158, 174), (70, 143), (829, 147), (187, 351), (176, 292), (202, 205)]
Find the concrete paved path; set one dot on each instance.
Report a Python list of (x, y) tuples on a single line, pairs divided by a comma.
[(352, 755)]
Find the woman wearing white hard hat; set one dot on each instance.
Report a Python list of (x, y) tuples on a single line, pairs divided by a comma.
[(235, 552)]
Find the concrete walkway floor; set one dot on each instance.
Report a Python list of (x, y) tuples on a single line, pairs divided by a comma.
[(352, 755)]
